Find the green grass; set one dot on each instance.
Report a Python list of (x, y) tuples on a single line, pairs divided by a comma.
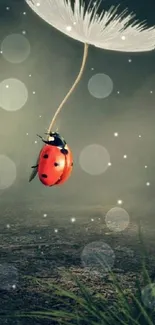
[(84, 309)]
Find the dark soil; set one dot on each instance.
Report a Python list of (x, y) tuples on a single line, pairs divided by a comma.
[(29, 246)]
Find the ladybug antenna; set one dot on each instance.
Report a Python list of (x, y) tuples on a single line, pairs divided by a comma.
[(39, 136)]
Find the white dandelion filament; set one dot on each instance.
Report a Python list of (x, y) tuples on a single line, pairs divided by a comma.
[(108, 30), (104, 31)]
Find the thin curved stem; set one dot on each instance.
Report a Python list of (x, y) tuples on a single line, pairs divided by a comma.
[(85, 54)]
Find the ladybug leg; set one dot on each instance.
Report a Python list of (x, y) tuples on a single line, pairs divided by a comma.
[(34, 166)]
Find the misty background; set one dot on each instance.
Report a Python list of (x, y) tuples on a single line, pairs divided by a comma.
[(53, 64)]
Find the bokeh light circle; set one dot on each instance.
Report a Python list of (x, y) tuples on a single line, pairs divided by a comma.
[(94, 159), (148, 296), (15, 48), (8, 276), (98, 256), (8, 172), (117, 219), (100, 85), (13, 94)]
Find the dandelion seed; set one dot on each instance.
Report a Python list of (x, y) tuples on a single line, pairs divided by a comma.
[(107, 30)]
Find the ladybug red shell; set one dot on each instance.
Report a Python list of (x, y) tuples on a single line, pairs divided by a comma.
[(55, 161)]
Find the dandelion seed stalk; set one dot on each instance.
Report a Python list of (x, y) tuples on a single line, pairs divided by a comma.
[(77, 80)]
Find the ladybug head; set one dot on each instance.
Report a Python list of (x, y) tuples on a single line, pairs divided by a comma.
[(54, 134), (55, 139)]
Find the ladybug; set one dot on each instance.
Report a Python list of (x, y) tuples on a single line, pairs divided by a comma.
[(55, 162)]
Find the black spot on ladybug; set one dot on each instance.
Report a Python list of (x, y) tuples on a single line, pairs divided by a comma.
[(72, 164), (56, 164), (45, 156), (44, 175), (64, 151)]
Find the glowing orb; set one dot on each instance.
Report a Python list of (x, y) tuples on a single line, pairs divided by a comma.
[(13, 94), (15, 48)]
